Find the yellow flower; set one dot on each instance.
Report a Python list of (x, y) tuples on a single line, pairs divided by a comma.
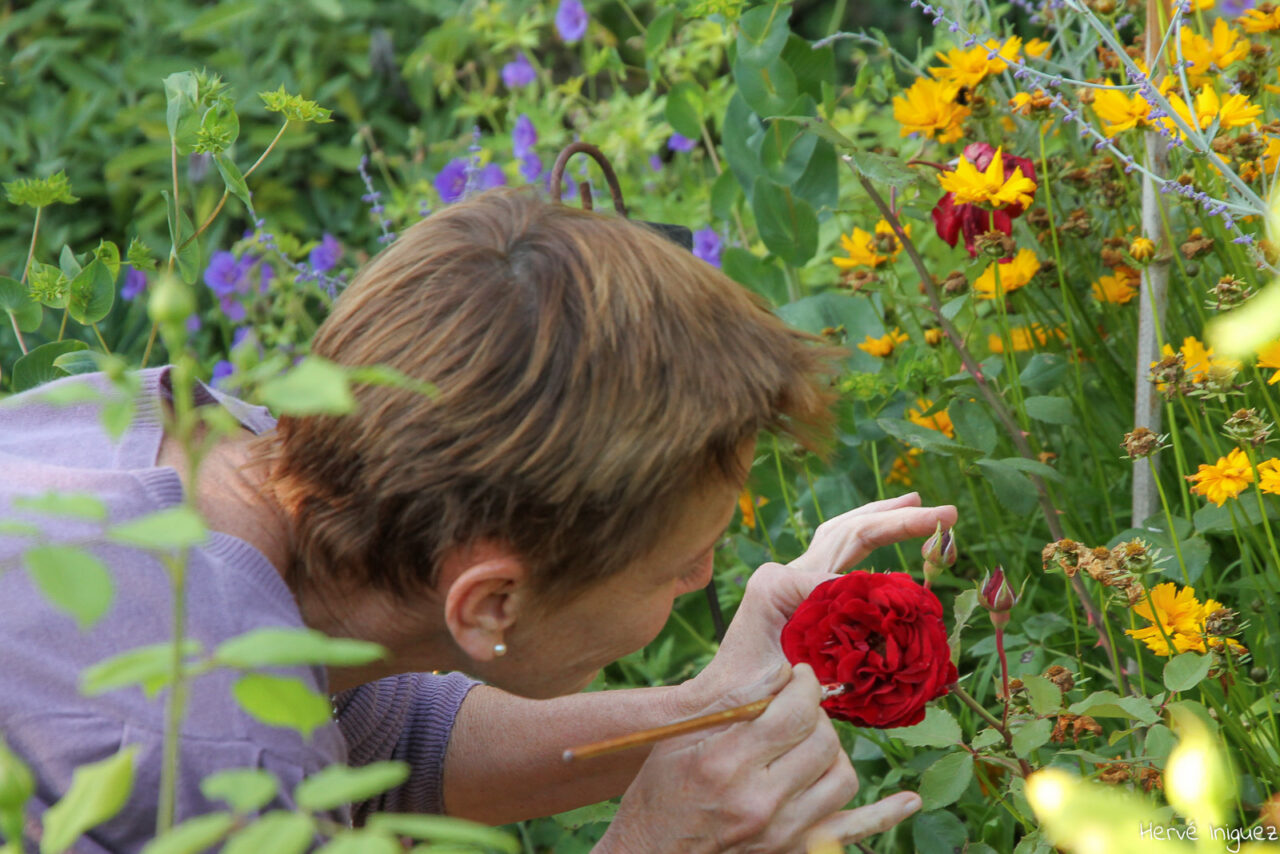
[(1260, 20), (1118, 111), (989, 186), (861, 246), (1271, 155), (1013, 275), (748, 507), (1120, 287), (1037, 49), (1202, 5), (1199, 359), (970, 67), (1142, 249), (940, 420), (883, 346), (929, 107), (1269, 357), (1269, 476), (1234, 112), (902, 466), (1179, 622), (1225, 479), (1216, 53), (1023, 338), (935, 336)]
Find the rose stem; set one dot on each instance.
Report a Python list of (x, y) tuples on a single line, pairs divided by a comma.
[(750, 711), (1004, 673), (963, 696)]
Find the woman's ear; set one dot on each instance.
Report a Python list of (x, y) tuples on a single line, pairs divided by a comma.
[(485, 588)]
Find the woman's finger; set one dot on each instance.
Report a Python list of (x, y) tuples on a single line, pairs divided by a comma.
[(852, 825), (840, 547)]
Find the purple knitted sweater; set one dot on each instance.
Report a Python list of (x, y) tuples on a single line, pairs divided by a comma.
[(231, 589)]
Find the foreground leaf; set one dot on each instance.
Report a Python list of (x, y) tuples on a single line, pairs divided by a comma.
[(98, 791), (73, 580), (282, 701), (338, 784)]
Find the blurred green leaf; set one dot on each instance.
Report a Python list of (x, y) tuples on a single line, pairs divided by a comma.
[(192, 836), (314, 387), (282, 701), (77, 505), (444, 830), (762, 33), (337, 784), (169, 529), (98, 791), (685, 109), (285, 647), (73, 580), (245, 790), (277, 831), (148, 666), (17, 302)]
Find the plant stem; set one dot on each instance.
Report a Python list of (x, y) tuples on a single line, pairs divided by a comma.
[(1004, 675), (964, 697)]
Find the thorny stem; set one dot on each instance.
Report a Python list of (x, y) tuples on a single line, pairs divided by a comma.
[(964, 697), (1004, 675), (998, 408)]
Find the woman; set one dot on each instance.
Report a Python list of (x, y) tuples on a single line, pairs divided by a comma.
[(599, 392)]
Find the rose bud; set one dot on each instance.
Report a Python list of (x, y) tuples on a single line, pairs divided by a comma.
[(997, 597), (939, 552)]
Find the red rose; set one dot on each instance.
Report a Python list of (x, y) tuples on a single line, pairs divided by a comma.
[(879, 633), (952, 220)]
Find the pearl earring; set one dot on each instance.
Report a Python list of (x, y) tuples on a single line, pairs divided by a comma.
[(499, 650)]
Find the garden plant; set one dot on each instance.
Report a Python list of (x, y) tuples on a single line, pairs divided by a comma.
[(1040, 231)]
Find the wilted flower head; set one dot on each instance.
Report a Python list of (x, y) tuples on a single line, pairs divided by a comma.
[(571, 20), (518, 73)]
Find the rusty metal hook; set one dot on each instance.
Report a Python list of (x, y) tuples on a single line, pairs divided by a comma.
[(584, 190)]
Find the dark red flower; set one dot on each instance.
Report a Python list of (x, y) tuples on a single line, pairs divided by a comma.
[(879, 633), (953, 220)]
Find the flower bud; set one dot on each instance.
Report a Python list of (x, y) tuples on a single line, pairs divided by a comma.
[(939, 552), (997, 597), (1142, 249)]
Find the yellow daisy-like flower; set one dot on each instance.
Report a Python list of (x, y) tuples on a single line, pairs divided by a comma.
[(1234, 112), (1224, 47), (882, 347), (1260, 20), (988, 186), (929, 107), (1013, 275), (940, 420), (1271, 155), (1119, 288), (1179, 622), (1225, 479), (1037, 49), (1269, 357), (861, 246), (1023, 338), (970, 67), (1198, 359), (1269, 476), (1118, 111)]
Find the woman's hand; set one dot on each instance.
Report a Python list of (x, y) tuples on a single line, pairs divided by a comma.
[(759, 786)]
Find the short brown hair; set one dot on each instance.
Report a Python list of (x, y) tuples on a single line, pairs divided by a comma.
[(589, 373)]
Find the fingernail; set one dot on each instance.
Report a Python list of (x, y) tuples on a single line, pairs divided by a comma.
[(911, 804)]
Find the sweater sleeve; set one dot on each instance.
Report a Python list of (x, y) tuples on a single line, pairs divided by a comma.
[(409, 718)]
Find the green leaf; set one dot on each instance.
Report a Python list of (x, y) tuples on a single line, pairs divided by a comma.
[(385, 375), (218, 17), (785, 151), (362, 842), (1108, 704), (974, 426), (165, 530), (233, 180), (725, 192), (1031, 735), (945, 780), (18, 303), (1046, 697), (77, 505), (93, 290), (881, 169), (193, 836), (938, 831), (282, 701), (1184, 672), (787, 224), (1051, 410), (245, 790), (1011, 487), (820, 185), (109, 254), (148, 666), (966, 603), (811, 67), (659, 32), (988, 737), (938, 729), (740, 134), (926, 439), (79, 362), (1043, 373), (281, 647), (1033, 843), (754, 273), (278, 831), (1159, 743), (762, 34), (769, 89), (180, 92), (314, 387), (98, 791), (68, 263), (73, 580), (442, 829), (685, 109), (337, 784), (602, 812), (37, 368)]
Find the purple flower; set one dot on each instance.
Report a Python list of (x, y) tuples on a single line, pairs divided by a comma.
[(193, 324), (530, 167), (451, 182), (707, 246), (268, 275), (231, 307), (224, 273), (655, 163), (524, 137), (489, 177), (518, 73), (221, 371), (324, 257), (678, 142), (571, 20), (135, 282)]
